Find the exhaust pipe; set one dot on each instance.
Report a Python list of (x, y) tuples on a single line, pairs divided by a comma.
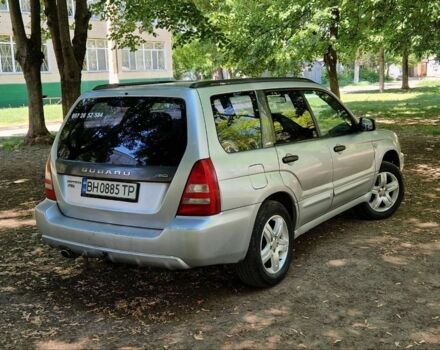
[(67, 253)]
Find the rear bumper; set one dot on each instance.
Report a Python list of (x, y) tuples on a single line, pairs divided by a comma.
[(187, 242)]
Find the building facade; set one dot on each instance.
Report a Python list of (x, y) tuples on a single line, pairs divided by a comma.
[(103, 62)]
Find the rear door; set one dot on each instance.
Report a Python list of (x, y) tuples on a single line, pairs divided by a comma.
[(305, 161), (117, 158), (244, 159), (352, 151)]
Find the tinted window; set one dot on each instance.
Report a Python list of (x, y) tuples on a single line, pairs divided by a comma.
[(125, 131), (332, 118), (237, 121), (291, 116)]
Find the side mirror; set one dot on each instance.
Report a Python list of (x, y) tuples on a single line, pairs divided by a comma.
[(367, 124)]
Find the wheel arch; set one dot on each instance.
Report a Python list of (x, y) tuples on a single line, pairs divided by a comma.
[(289, 203), (391, 156)]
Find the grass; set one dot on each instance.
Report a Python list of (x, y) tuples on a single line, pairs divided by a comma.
[(11, 143), (18, 116), (416, 110)]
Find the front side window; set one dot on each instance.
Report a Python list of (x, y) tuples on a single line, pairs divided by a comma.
[(237, 121), (291, 117), (333, 120)]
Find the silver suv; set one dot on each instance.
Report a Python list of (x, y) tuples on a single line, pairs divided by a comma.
[(185, 174)]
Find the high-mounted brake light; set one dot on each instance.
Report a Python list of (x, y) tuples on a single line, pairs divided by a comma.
[(48, 183), (201, 196)]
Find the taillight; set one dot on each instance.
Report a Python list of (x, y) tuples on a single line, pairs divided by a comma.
[(48, 183), (201, 196)]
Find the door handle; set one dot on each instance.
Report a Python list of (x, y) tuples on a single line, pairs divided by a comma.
[(339, 148), (289, 158)]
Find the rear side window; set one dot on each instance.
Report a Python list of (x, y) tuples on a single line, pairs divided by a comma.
[(237, 121), (291, 117), (138, 131)]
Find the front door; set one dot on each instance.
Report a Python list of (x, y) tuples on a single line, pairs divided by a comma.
[(352, 151)]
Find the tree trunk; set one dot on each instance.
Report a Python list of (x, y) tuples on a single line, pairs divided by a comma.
[(357, 68), (331, 60), (30, 57), (218, 74), (68, 53), (330, 57), (405, 69), (381, 70), (70, 91), (37, 132), (388, 71)]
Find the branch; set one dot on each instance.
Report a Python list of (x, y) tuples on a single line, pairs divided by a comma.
[(79, 42), (52, 22), (36, 23), (20, 37), (64, 33)]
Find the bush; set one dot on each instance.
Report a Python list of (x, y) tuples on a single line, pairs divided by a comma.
[(369, 75), (346, 77)]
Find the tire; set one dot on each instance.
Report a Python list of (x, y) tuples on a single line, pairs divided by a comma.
[(384, 201), (252, 270)]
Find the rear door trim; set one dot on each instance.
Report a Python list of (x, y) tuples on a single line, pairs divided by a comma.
[(115, 172)]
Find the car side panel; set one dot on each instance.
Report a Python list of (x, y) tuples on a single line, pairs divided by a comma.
[(384, 141)]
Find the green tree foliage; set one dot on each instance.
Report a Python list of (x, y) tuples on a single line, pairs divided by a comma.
[(132, 18), (197, 59), (406, 27), (251, 37)]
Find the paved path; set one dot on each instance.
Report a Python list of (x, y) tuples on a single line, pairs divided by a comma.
[(22, 130), (375, 87)]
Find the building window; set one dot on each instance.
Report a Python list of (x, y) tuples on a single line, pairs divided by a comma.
[(45, 64), (96, 56), (25, 5), (7, 61), (149, 56), (8, 64), (71, 8)]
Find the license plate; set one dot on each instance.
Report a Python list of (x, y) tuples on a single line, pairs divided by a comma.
[(121, 191)]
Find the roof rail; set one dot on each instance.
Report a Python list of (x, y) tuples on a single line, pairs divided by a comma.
[(208, 83), (148, 82)]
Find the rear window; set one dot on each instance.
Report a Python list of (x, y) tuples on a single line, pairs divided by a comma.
[(137, 131)]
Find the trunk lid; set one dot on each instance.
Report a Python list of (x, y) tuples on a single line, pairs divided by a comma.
[(117, 158)]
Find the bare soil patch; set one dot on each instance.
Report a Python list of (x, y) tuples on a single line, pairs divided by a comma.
[(352, 284)]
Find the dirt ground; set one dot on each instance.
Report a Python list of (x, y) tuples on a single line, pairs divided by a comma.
[(352, 284)]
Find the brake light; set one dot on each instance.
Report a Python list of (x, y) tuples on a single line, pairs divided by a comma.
[(201, 196), (48, 183)]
